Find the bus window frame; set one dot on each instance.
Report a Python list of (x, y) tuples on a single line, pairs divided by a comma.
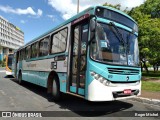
[(24, 53), (29, 56), (38, 50), (51, 40), (39, 46)]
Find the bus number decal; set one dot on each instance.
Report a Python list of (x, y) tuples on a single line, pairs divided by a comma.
[(53, 65)]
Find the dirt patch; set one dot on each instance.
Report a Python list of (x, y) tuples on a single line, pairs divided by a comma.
[(152, 95), (150, 79), (157, 81)]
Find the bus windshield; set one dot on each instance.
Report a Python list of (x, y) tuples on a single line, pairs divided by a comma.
[(115, 48)]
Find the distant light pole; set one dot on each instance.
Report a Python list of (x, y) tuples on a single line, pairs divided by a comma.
[(77, 6)]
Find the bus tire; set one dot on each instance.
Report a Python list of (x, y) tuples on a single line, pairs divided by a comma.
[(20, 78), (56, 90)]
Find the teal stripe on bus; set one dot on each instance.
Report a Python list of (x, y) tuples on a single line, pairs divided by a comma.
[(117, 24), (41, 78), (80, 90), (47, 57)]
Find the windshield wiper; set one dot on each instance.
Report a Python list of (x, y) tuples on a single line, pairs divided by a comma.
[(120, 38)]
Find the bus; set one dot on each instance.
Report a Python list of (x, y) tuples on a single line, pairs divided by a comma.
[(9, 58), (93, 55)]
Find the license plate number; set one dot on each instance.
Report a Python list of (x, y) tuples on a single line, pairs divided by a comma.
[(127, 91)]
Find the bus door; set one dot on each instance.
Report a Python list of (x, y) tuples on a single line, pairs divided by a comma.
[(78, 58), (13, 64), (16, 56)]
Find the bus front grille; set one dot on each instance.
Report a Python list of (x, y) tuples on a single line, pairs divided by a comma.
[(123, 71)]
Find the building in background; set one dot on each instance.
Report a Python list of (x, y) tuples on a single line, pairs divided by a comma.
[(11, 37)]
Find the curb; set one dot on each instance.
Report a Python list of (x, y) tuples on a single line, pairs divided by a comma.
[(146, 100)]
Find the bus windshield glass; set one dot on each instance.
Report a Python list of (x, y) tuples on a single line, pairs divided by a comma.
[(113, 47)]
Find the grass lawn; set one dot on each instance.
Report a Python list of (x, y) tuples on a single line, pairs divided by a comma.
[(151, 86)]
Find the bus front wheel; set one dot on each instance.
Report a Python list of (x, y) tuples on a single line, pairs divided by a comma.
[(56, 90)]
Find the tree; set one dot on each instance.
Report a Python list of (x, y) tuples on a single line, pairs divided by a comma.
[(117, 6), (147, 16)]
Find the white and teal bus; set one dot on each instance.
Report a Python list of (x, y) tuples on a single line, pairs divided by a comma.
[(93, 55)]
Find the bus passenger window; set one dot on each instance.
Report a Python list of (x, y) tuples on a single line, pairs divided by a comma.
[(34, 50), (27, 55), (23, 54), (59, 41), (44, 45)]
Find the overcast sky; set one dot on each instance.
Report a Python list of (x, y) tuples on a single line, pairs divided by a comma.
[(68, 7)]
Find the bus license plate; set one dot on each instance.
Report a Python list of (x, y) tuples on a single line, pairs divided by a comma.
[(127, 91)]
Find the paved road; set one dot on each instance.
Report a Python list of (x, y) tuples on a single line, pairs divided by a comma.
[(29, 97)]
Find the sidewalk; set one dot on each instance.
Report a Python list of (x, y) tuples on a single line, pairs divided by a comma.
[(150, 95)]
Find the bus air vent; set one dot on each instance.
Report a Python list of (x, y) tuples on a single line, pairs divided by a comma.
[(123, 71)]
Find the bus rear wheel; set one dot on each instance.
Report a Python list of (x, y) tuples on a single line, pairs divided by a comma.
[(56, 90)]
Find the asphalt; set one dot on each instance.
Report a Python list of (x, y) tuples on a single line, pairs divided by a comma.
[(146, 97), (29, 97)]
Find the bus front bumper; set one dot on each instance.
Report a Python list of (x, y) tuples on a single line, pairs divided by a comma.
[(99, 92)]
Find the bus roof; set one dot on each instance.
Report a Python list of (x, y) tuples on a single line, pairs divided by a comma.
[(89, 10)]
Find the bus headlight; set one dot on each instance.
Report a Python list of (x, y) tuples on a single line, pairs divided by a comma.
[(96, 76), (100, 78), (138, 82), (92, 73), (106, 82)]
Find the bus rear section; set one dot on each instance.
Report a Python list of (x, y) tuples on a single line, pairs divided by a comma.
[(9, 64)]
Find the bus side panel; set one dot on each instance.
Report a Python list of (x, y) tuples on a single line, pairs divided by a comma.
[(42, 78), (63, 81), (24, 75), (36, 77)]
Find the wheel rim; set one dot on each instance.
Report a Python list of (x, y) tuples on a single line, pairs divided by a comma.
[(54, 88)]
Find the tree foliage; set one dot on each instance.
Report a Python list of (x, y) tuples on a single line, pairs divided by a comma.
[(117, 6), (147, 17)]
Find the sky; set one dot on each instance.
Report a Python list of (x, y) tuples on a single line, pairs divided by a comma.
[(35, 17)]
